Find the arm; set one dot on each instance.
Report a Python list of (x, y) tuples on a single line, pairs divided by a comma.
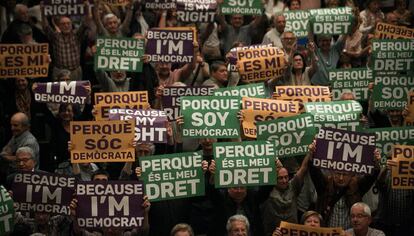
[(314, 65), (128, 17), (45, 23), (85, 22), (97, 17), (163, 19), (104, 80)]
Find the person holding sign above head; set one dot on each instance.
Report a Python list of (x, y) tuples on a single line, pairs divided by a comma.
[(370, 16), (111, 25), (361, 219)]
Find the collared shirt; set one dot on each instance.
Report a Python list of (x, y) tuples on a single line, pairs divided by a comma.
[(340, 216), (273, 36), (371, 232)]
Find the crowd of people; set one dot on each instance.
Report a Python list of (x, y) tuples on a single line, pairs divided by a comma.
[(35, 136)]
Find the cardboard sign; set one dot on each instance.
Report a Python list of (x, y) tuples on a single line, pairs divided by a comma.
[(242, 7), (170, 45), (244, 164), (71, 92), (232, 55), (290, 229), (391, 92), (160, 4), (172, 176), (113, 54), (117, 2), (115, 100), (291, 135), (393, 55), (196, 11), (389, 31), (256, 90), (331, 21), (339, 114), (102, 141), (6, 212), (109, 204), (297, 22), (353, 80), (409, 119), (171, 98), (260, 64), (403, 174), (345, 151), (256, 109), (210, 117), (150, 125), (302, 93), (24, 60), (43, 192), (64, 8)]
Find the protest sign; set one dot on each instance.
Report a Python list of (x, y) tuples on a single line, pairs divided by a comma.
[(297, 22), (43, 192), (232, 54), (150, 125), (391, 91), (102, 141), (171, 98), (24, 60), (109, 204), (170, 45), (6, 212), (331, 21), (341, 150), (160, 4), (242, 7), (196, 11), (409, 119), (64, 8), (260, 64), (353, 81), (393, 55), (387, 137), (339, 114), (71, 92), (389, 31), (248, 163), (290, 229), (210, 117), (113, 54), (256, 90), (257, 109), (403, 174), (118, 2), (291, 135), (114, 100), (172, 176), (302, 93)]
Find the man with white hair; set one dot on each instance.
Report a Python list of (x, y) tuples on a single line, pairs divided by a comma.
[(360, 220), (111, 25), (237, 225)]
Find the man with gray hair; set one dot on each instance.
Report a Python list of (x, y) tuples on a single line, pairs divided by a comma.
[(274, 35), (237, 225), (360, 220)]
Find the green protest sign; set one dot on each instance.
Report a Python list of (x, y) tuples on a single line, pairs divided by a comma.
[(343, 115), (172, 176), (391, 91), (210, 117), (331, 21), (387, 137), (243, 7), (291, 135), (6, 212), (393, 55), (244, 164), (297, 22), (113, 54), (353, 80), (255, 90)]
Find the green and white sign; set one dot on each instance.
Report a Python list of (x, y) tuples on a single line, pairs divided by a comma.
[(249, 163), (119, 54), (6, 212), (393, 55), (291, 135), (172, 176), (353, 80), (297, 22), (391, 91), (243, 7), (331, 21), (255, 90), (210, 117)]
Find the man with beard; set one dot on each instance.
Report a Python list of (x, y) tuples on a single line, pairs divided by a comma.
[(117, 81)]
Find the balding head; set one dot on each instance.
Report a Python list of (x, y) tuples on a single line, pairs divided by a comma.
[(347, 96), (21, 12), (19, 123)]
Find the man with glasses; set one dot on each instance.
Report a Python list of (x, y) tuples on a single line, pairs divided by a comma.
[(361, 219), (237, 225)]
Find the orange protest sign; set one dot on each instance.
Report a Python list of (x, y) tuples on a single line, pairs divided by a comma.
[(290, 229), (389, 31), (403, 174), (302, 93), (409, 119), (97, 141)]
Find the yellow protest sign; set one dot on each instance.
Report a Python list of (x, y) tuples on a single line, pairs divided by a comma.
[(97, 141), (290, 229), (256, 109), (409, 119), (302, 93), (389, 31), (128, 100), (260, 64), (24, 60), (403, 174)]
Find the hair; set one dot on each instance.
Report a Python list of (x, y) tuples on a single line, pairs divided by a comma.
[(308, 214), (109, 16), (18, 7), (25, 149), (215, 66), (100, 172), (62, 73), (366, 208), (182, 227), (25, 121), (289, 2), (303, 59), (238, 217)]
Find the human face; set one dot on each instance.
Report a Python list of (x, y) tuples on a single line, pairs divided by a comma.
[(359, 219), (280, 24), (282, 179), (164, 69), (25, 161), (373, 6), (324, 43), (67, 114), (17, 126), (342, 179), (207, 143), (100, 177), (65, 25), (21, 84), (220, 74), (295, 5), (111, 24), (118, 76), (236, 21), (238, 228), (297, 62), (312, 221), (288, 40), (347, 96), (237, 193), (23, 14), (182, 233)]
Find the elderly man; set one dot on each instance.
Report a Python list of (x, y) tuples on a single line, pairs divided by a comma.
[(237, 225), (274, 35), (361, 219), (111, 25)]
